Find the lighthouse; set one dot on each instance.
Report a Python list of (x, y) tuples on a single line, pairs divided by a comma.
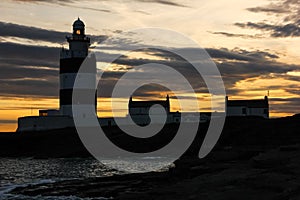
[(70, 62)]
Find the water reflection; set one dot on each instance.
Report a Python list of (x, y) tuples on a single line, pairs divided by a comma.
[(26, 170)]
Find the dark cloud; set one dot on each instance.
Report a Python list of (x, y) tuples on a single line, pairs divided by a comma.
[(142, 12), (229, 55), (163, 2), (28, 70), (235, 65), (27, 55), (246, 36), (36, 106), (271, 8), (86, 8), (3, 121), (37, 88), (281, 6), (287, 23), (36, 1), (69, 3), (34, 33), (241, 54), (256, 54), (17, 72), (165, 58), (152, 90), (284, 30), (232, 72), (288, 105)]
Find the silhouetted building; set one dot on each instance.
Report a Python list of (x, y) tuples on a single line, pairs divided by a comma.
[(257, 107), (140, 111)]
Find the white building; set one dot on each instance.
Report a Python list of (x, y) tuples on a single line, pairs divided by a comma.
[(140, 111), (256, 107)]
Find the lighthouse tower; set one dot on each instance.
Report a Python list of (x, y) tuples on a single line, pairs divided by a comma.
[(70, 62)]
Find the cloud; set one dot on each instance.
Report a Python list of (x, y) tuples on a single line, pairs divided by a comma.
[(245, 36), (163, 2), (85, 8), (34, 33), (281, 6), (23, 87), (241, 54), (233, 72), (271, 8), (7, 121), (284, 30), (287, 24), (52, 1), (28, 70), (288, 105), (24, 54), (69, 3), (238, 64), (110, 78), (235, 65)]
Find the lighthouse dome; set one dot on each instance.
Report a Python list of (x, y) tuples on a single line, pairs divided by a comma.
[(78, 24), (78, 28)]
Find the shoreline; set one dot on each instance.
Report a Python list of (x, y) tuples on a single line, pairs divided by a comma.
[(254, 159), (263, 176)]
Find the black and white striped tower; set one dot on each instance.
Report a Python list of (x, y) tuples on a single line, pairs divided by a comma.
[(70, 62)]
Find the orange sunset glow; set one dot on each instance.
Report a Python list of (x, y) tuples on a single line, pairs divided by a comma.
[(256, 49)]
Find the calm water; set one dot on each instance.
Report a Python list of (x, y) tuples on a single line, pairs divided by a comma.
[(21, 172)]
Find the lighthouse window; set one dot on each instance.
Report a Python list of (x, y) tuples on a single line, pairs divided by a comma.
[(78, 32)]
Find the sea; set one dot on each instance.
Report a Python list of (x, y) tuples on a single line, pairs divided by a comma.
[(21, 172)]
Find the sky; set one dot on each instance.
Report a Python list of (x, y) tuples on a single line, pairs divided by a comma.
[(255, 45)]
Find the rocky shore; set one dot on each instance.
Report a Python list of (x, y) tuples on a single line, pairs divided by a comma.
[(274, 174), (254, 159)]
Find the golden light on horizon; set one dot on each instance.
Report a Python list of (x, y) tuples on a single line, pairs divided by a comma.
[(15, 107), (121, 104), (294, 73), (259, 87)]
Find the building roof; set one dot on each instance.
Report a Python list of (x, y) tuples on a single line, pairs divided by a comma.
[(148, 104), (135, 104), (257, 103)]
